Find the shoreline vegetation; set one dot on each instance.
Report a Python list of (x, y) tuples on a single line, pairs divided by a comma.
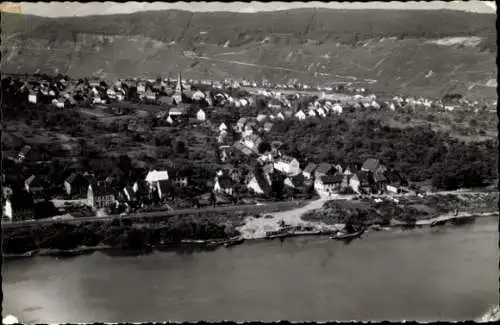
[(214, 230)]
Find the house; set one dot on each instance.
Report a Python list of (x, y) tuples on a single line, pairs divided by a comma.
[(110, 92), (201, 115), (345, 181), (252, 141), (59, 103), (311, 113), (143, 190), (178, 111), (102, 197), (309, 170), (223, 184), (242, 148), (76, 185), (179, 178), (268, 126), (287, 165), (350, 170), (32, 98), (362, 181), (371, 165), (163, 188), (222, 127), (258, 183), (141, 88), (241, 124), (321, 112), (34, 184), (20, 206), (380, 180), (323, 169), (150, 95), (261, 117), (155, 176), (198, 95), (337, 108), (328, 184), (280, 116), (129, 193), (295, 182), (300, 115)]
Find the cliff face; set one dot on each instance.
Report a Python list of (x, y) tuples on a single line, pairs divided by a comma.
[(416, 54)]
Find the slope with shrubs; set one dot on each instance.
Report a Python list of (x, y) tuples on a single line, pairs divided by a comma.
[(314, 46)]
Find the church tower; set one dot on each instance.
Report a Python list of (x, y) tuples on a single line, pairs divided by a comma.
[(178, 90)]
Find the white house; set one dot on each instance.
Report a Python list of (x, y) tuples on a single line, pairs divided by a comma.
[(321, 112), (200, 115), (32, 98), (198, 95), (261, 117), (111, 93), (57, 103), (311, 113), (337, 108), (287, 165), (299, 115), (375, 105), (280, 116), (223, 127), (154, 176), (243, 102), (97, 100), (254, 186), (392, 189)]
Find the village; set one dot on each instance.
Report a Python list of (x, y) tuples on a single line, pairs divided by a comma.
[(267, 174)]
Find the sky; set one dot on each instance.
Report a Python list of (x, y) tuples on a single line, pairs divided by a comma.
[(59, 9)]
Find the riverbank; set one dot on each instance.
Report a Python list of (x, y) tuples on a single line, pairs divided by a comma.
[(132, 234), (318, 217)]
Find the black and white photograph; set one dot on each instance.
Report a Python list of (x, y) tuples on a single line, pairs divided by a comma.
[(249, 161)]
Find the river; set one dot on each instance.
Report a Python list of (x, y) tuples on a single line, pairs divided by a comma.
[(424, 274)]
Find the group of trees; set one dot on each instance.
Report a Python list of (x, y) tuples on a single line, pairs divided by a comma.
[(121, 234), (418, 153)]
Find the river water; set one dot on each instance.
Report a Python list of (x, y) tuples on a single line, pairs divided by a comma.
[(425, 274)]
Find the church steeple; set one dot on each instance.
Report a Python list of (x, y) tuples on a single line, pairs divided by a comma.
[(179, 90)]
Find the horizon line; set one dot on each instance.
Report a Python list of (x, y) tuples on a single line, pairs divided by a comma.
[(75, 9)]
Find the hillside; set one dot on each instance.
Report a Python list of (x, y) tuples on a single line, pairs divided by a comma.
[(414, 52)]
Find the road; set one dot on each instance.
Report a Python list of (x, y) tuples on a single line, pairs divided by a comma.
[(159, 214)]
